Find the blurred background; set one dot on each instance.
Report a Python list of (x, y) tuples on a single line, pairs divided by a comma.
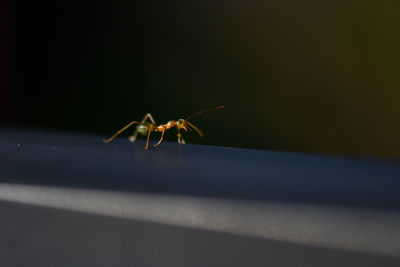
[(306, 76)]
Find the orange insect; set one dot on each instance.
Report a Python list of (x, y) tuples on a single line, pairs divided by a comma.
[(146, 128)]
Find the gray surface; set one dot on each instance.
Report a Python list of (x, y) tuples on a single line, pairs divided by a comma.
[(192, 205), (37, 236), (352, 229)]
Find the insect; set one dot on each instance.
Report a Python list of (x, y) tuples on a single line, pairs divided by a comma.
[(146, 128)]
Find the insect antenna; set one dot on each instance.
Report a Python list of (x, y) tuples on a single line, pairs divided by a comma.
[(196, 129), (120, 131), (203, 111)]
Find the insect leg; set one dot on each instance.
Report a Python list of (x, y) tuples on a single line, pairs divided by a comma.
[(147, 141), (120, 131), (134, 136), (180, 139), (162, 136)]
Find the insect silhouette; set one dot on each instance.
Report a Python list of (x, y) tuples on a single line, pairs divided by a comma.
[(146, 128)]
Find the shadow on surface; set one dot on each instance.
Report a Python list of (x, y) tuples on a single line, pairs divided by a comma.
[(83, 161)]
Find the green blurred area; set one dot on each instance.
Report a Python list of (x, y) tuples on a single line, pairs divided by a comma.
[(309, 76)]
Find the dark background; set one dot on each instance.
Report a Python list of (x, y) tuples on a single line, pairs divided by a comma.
[(310, 76)]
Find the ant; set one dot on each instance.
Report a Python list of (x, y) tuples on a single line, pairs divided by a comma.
[(146, 128)]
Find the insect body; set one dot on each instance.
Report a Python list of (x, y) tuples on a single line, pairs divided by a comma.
[(146, 128)]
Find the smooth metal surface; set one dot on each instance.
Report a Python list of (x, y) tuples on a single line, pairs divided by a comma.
[(327, 206)]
